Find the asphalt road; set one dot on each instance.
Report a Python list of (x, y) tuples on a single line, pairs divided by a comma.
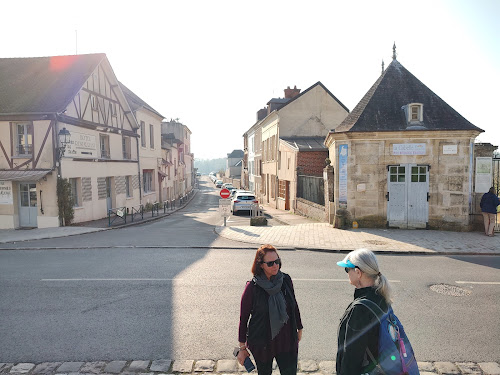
[(149, 303)]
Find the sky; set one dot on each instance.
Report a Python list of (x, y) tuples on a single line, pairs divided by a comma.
[(214, 64)]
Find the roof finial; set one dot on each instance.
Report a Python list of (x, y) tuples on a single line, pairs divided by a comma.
[(382, 66), (394, 51)]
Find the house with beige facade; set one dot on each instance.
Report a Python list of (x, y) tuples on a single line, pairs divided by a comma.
[(150, 151), (404, 158), (178, 160), (312, 113), (79, 96)]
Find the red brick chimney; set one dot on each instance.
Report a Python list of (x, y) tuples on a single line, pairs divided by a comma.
[(291, 93)]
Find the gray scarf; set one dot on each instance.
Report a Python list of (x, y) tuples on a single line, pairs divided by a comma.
[(277, 305)]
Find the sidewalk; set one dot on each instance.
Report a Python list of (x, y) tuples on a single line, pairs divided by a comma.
[(19, 235), (299, 232), (224, 366)]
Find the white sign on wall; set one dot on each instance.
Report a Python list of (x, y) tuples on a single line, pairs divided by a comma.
[(82, 145), (408, 149), (483, 174), (6, 192), (449, 149)]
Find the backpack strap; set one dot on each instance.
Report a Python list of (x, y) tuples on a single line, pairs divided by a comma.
[(372, 306)]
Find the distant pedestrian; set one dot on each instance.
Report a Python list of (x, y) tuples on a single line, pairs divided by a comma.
[(489, 203), (275, 327), (358, 332)]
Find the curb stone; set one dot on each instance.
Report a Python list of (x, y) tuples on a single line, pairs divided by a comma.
[(219, 367), (490, 368)]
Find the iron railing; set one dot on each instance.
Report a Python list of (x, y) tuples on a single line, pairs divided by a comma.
[(118, 213), (135, 212)]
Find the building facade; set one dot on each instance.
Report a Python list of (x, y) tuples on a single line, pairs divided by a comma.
[(76, 94), (403, 158), (311, 113)]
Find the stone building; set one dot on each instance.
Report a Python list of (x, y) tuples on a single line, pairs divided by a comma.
[(403, 158)]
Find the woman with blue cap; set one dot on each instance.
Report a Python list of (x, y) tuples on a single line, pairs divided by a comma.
[(358, 331)]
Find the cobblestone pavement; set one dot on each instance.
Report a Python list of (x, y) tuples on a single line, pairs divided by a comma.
[(224, 366), (324, 236)]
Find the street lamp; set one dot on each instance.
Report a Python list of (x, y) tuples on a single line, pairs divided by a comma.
[(64, 138)]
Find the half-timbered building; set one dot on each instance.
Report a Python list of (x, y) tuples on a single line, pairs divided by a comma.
[(43, 97)]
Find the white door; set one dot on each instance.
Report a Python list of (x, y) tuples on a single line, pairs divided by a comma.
[(397, 213), (408, 191), (28, 209), (418, 193)]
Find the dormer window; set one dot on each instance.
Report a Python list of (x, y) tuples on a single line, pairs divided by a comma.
[(415, 113)]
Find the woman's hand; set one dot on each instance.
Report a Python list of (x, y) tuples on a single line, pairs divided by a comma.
[(242, 355), (299, 334)]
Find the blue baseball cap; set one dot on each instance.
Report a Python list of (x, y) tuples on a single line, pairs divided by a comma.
[(346, 263)]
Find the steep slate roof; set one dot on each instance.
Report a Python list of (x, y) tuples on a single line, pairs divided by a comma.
[(306, 143), (43, 84), (381, 107), (235, 154), (135, 102)]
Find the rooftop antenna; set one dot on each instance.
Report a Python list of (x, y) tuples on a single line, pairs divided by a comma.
[(76, 42), (382, 66), (394, 51)]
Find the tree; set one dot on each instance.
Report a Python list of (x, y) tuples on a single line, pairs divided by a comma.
[(64, 201)]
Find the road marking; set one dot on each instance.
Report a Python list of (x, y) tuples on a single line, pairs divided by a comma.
[(109, 279), (479, 282), (336, 280)]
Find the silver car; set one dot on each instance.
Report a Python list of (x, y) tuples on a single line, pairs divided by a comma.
[(243, 202)]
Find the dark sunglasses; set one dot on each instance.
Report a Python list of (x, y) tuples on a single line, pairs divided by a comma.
[(271, 263), (346, 269)]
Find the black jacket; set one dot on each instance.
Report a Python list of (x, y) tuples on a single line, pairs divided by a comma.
[(358, 331), (259, 328)]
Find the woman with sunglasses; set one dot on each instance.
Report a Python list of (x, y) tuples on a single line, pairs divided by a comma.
[(358, 331), (275, 328)]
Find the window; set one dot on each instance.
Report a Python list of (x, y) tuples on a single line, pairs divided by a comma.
[(397, 174), (104, 146), (415, 112), (151, 136), (143, 134), (24, 139), (128, 186), (282, 189), (74, 191), (148, 180), (93, 102), (126, 148), (418, 174), (112, 107)]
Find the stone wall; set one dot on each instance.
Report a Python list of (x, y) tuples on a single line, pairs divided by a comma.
[(449, 176), (310, 209)]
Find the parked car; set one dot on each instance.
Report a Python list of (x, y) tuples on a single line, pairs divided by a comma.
[(243, 202), (218, 183), (228, 186), (237, 191)]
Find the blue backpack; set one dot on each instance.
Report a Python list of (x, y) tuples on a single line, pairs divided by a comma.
[(395, 354)]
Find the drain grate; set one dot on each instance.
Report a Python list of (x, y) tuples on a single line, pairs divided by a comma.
[(450, 290)]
